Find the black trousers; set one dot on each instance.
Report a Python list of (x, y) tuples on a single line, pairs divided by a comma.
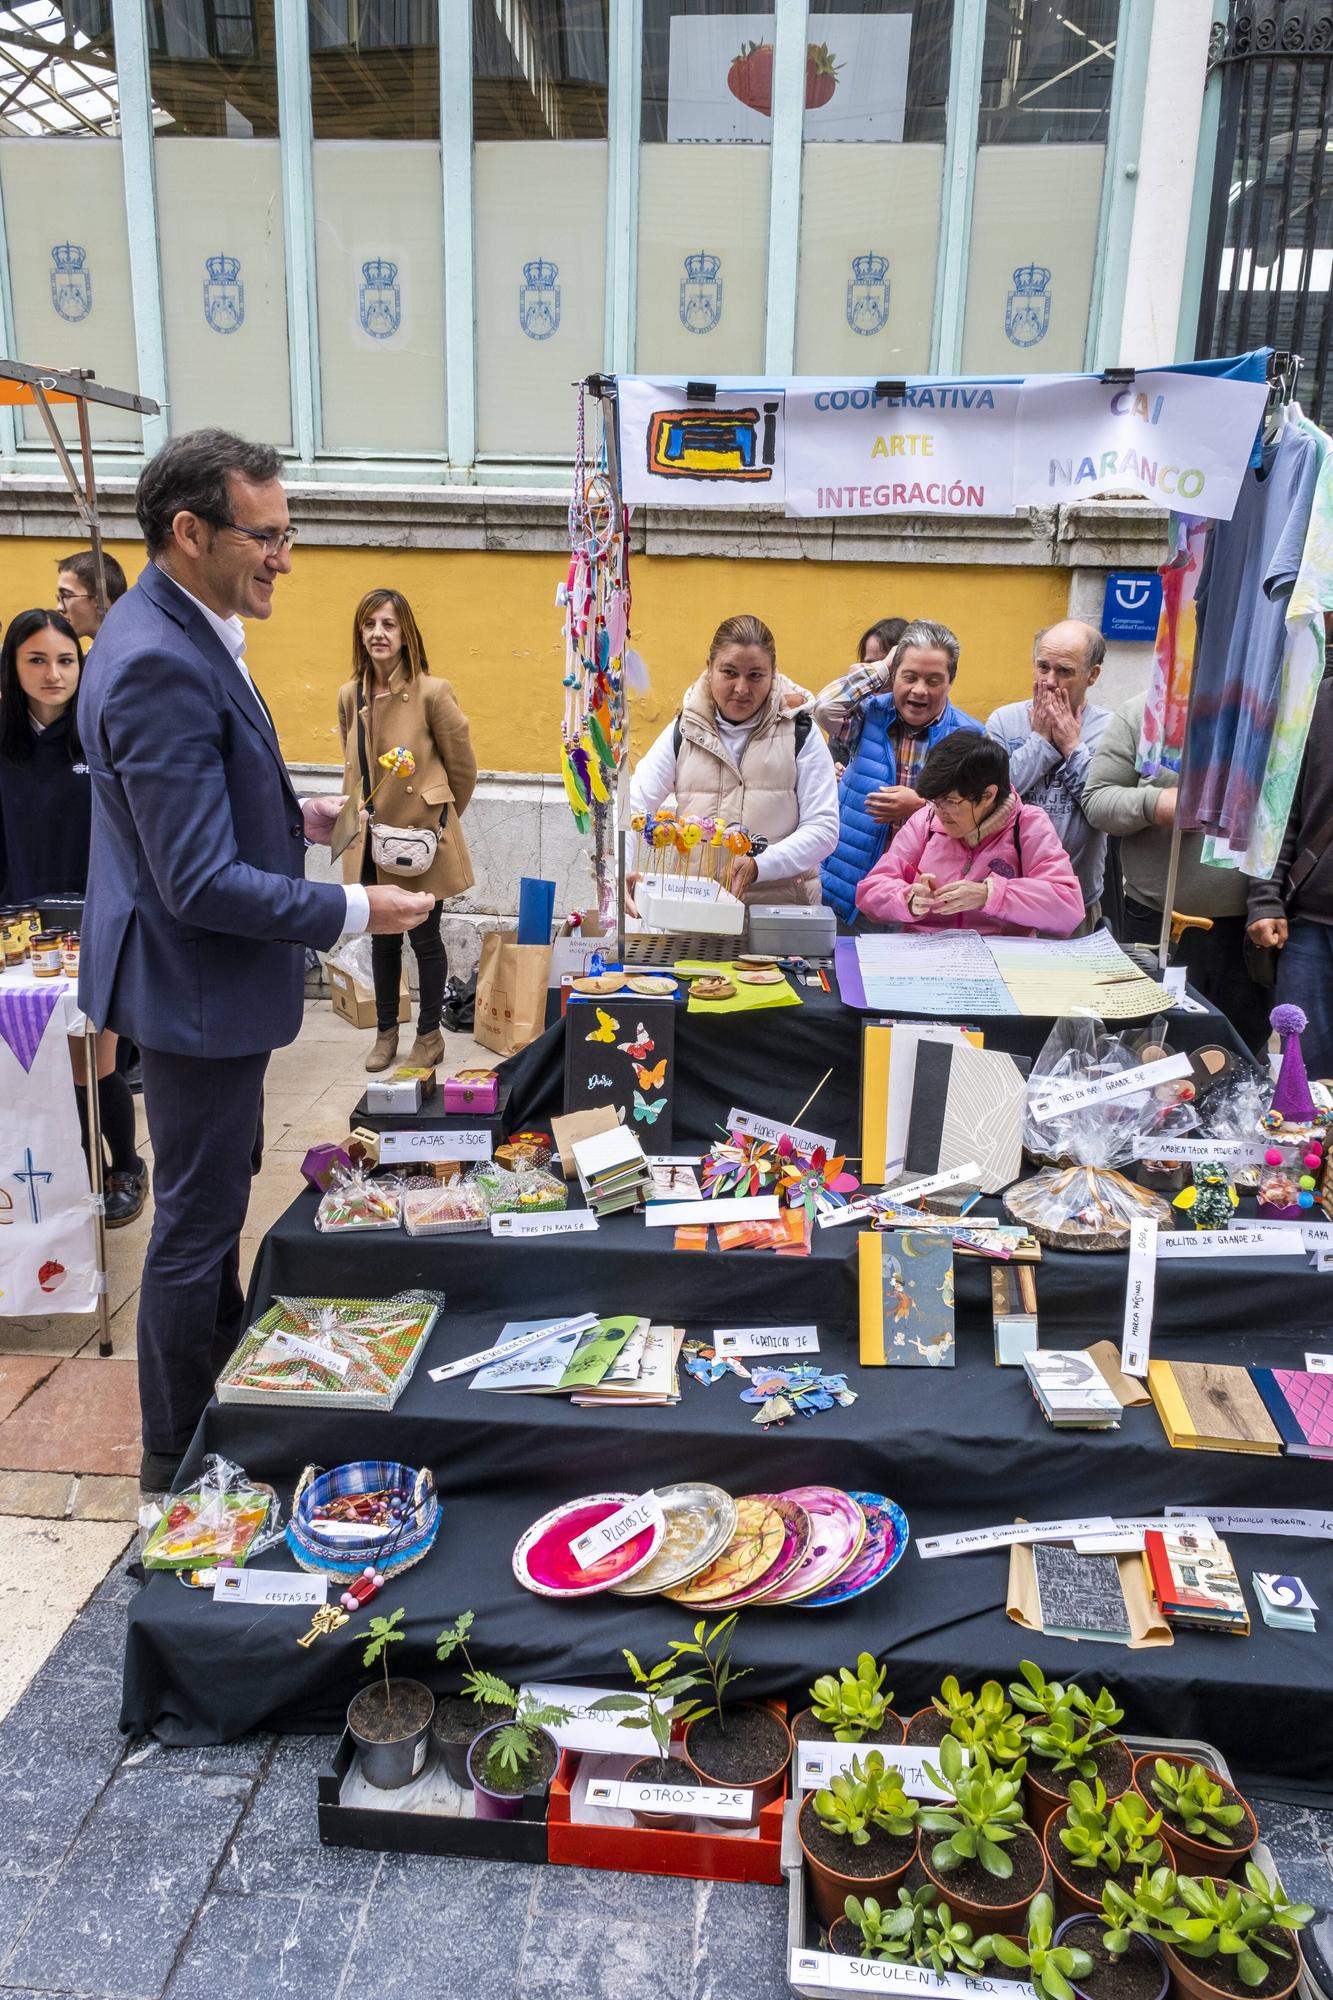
[(386, 959), (1214, 962), (205, 1120)]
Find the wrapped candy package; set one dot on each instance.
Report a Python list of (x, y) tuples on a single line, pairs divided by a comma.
[(1082, 1201), (442, 1210), (525, 1191), (350, 1354), (221, 1520), (353, 1200)]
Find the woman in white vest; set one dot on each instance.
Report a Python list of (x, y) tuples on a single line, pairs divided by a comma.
[(737, 752)]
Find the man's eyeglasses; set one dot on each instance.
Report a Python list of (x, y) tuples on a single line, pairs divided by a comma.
[(64, 596), (272, 542)]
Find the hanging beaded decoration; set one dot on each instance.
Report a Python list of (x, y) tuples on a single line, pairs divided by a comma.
[(596, 601)]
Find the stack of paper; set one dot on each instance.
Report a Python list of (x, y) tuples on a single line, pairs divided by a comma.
[(1195, 1580), (575, 1358), (643, 1374), (1284, 1601), (612, 1170), (1071, 1390)]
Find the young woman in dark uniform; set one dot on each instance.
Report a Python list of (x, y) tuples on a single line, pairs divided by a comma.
[(45, 821)]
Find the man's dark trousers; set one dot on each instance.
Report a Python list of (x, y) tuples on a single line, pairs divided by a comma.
[(206, 1121)]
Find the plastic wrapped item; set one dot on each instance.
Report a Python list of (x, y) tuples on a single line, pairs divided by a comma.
[(1081, 1200), (436, 1209), (353, 1200), (351, 1354), (525, 1191), (352, 956), (219, 1522)]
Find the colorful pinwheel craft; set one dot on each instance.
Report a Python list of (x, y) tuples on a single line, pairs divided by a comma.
[(739, 1166), (812, 1180)]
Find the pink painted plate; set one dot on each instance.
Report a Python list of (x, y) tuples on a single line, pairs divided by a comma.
[(798, 1529), (544, 1562), (839, 1529)]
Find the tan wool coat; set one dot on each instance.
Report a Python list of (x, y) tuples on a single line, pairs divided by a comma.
[(423, 714)]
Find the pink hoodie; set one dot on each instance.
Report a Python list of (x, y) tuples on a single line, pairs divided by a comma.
[(1033, 888)]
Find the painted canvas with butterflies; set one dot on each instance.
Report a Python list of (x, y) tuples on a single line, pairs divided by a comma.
[(621, 1050)]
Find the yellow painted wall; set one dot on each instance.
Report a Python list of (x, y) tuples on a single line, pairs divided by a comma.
[(491, 626)]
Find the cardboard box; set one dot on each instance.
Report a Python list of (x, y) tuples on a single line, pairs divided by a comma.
[(356, 1003)]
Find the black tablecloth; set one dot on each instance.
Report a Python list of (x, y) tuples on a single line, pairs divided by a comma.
[(956, 1448), (770, 1060)]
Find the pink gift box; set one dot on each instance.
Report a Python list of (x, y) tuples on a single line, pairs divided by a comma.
[(477, 1090)]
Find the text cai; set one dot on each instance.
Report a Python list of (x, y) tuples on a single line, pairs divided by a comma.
[(848, 498), (926, 397), (1186, 481), (1129, 403)]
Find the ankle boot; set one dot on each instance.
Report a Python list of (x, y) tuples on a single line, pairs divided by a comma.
[(384, 1051), (427, 1051)]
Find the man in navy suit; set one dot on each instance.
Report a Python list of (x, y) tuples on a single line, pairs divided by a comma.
[(198, 912)]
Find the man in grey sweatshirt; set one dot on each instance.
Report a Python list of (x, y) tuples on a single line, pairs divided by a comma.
[(1140, 812), (1051, 741)]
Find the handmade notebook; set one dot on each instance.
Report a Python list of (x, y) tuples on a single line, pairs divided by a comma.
[(907, 1318), (888, 1060), (1204, 1407), (967, 1104), (1080, 1597), (620, 1050), (1301, 1406), (1195, 1580)]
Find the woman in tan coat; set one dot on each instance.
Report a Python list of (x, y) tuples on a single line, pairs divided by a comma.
[(393, 701)]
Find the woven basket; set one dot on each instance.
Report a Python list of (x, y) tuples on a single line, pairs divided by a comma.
[(316, 1488)]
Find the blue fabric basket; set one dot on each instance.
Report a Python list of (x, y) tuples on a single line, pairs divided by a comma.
[(316, 1488)]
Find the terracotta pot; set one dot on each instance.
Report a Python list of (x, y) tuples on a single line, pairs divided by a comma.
[(845, 1939), (1071, 1898), (765, 1789), (1188, 1855), (681, 1822), (890, 1731), (983, 1917), (1143, 1945), (1044, 1800), (830, 1890), (920, 1715), (1190, 1982)]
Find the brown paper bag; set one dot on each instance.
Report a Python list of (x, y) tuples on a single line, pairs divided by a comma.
[(1147, 1627), (511, 993)]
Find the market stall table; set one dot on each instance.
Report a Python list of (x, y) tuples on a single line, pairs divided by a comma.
[(956, 1448)]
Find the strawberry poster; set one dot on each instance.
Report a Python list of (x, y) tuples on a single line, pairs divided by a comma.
[(47, 1248), (720, 82)]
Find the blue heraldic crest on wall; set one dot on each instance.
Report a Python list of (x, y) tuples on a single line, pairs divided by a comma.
[(539, 299), (701, 292), (1027, 313), (380, 298), (224, 294), (71, 281), (868, 294)]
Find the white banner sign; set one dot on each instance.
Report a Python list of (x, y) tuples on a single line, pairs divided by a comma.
[(1304, 1521), (772, 1130), (702, 1801), (474, 1144), (1140, 1286), (835, 1974), (47, 1245), (970, 1541), (728, 452), (1249, 1240), (938, 448)]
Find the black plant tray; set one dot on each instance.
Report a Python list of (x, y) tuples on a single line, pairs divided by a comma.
[(408, 1823)]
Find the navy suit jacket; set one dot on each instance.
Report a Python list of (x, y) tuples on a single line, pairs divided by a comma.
[(197, 912)]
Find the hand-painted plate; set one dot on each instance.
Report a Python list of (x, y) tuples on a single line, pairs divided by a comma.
[(761, 975), (882, 1550), (759, 1539), (544, 1562), (799, 1528), (839, 1531), (653, 983), (700, 1521)]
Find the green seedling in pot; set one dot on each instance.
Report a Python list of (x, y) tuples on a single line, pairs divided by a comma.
[(946, 1943), (713, 1651), (981, 1721), (851, 1704), (1114, 1837), (1204, 1919), (1137, 1911), (382, 1633), (515, 1745), (1192, 1794), (885, 1933), (985, 1814), (867, 1797), (667, 1699), (1051, 1967), (453, 1640), (1034, 1694), (1069, 1733)]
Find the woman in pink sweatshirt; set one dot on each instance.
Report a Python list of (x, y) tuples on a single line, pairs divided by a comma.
[(975, 857)]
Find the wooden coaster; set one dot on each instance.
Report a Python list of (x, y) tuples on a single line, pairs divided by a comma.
[(599, 982), (762, 975), (652, 984), (712, 989)]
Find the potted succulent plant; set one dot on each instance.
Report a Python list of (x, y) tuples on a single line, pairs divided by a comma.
[(1221, 1939), (1069, 1734), (389, 1720), (1206, 1824), (848, 1707), (1051, 1967), (1092, 1839), (667, 1702), (513, 1760), (458, 1717), (1127, 1961), (986, 1719), (990, 1864), (744, 1744), (917, 1930), (857, 1832)]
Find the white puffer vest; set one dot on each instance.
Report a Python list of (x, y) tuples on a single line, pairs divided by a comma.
[(759, 793)]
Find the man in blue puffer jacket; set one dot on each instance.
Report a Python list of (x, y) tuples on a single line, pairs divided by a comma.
[(899, 728)]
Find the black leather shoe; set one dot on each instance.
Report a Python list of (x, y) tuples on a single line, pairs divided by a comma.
[(125, 1194), (157, 1472)]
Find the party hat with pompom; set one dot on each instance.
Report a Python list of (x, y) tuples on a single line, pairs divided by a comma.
[(1292, 1095)]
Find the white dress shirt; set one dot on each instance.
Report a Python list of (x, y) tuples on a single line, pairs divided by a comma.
[(232, 634)]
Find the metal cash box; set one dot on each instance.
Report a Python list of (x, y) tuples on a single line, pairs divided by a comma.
[(792, 930)]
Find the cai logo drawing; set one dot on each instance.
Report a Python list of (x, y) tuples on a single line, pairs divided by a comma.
[(1027, 312), (71, 281), (224, 293), (539, 299), (380, 298), (701, 292), (868, 294)]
